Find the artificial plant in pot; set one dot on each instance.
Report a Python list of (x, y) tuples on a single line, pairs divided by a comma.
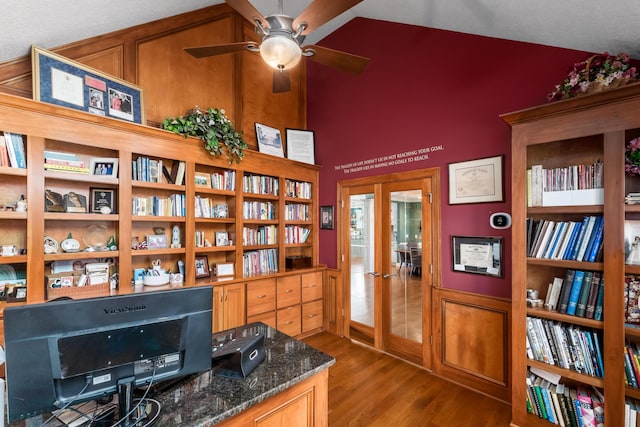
[(213, 127)]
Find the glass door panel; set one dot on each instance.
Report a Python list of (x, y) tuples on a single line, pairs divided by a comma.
[(362, 250)]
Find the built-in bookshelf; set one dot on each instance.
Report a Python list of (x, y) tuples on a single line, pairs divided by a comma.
[(569, 298), (146, 196)]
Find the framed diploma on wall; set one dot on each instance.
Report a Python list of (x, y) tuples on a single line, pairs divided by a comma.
[(476, 181), (480, 255)]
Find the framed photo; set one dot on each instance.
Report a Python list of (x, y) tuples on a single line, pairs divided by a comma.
[(476, 181), (203, 180), (62, 81), (222, 238), (269, 140), (301, 145), (326, 217), (480, 255), (202, 266), (105, 166), (224, 269), (102, 198), (157, 241)]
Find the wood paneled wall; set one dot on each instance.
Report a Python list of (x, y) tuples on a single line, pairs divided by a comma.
[(151, 55)]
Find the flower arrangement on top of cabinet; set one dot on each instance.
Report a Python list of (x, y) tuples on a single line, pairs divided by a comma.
[(594, 74), (213, 127)]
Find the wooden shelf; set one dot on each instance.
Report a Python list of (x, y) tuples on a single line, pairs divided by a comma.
[(551, 210), (158, 186), (568, 374), (216, 220), (260, 221), (297, 200), (69, 216), (81, 177), (554, 315), (17, 259), (12, 215), (152, 218), (260, 196), (576, 265), (214, 192), (156, 252), (81, 255), (5, 170), (207, 249)]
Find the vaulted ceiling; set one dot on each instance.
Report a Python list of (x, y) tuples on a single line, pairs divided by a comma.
[(589, 25)]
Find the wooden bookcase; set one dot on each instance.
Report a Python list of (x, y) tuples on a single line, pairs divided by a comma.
[(47, 127), (565, 133)]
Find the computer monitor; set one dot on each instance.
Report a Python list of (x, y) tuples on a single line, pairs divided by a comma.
[(71, 351)]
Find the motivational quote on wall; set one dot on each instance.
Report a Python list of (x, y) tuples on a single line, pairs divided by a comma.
[(412, 156)]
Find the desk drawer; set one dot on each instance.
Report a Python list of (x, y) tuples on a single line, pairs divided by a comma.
[(261, 296), (311, 284), (288, 290), (289, 320), (311, 315)]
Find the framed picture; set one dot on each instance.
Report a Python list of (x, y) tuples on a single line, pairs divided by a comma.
[(202, 266), (301, 145), (157, 241), (100, 198), (62, 81), (269, 140), (224, 269), (203, 180), (476, 181), (326, 217), (480, 255), (222, 238), (105, 166)]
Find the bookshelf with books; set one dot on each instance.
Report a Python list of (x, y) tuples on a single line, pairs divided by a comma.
[(298, 220), (569, 299)]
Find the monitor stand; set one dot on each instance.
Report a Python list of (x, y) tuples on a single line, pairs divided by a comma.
[(133, 412)]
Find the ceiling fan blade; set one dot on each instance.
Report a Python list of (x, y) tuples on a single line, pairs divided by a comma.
[(246, 9), (204, 51), (320, 12), (334, 58), (281, 81)]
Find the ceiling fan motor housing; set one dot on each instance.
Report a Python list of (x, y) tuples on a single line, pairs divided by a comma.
[(280, 47)]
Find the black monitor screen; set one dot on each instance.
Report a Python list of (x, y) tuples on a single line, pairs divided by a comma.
[(72, 351)]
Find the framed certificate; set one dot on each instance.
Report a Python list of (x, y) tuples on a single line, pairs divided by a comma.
[(480, 255), (476, 181)]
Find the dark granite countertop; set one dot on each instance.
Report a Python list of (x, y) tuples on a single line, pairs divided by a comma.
[(207, 399)]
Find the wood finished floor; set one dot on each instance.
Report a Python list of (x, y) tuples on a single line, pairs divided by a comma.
[(372, 389)]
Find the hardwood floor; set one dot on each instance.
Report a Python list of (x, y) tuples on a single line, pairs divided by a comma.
[(372, 389)]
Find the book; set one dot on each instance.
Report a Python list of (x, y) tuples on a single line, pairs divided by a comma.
[(554, 293), (548, 401), (571, 407), (586, 238), (596, 344), (579, 239), (581, 307), (556, 239), (65, 168), (180, 173), (597, 242), (4, 154), (543, 225), (572, 240), (556, 404), (572, 305), (597, 315), (571, 225), (543, 405), (586, 407), (630, 375), (18, 145), (593, 295), (536, 185), (597, 399), (566, 291), (544, 240), (13, 162)]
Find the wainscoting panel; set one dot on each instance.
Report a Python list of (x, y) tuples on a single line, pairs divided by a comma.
[(333, 320)]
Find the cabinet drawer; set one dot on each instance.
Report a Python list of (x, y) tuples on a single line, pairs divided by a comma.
[(311, 315), (261, 296), (289, 320), (288, 290), (311, 284), (268, 318)]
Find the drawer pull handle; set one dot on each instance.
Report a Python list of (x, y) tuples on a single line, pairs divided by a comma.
[(289, 322), (289, 291), (261, 296), (311, 315)]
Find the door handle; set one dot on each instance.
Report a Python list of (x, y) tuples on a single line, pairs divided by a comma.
[(374, 273), (388, 276)]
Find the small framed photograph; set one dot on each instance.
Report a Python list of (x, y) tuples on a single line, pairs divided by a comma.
[(203, 180), (224, 269), (221, 210), (16, 294), (104, 166), (222, 238), (301, 145), (476, 181), (269, 140), (102, 198), (479, 255), (202, 266), (157, 241), (326, 217)]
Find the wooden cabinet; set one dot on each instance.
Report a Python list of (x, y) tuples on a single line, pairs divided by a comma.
[(574, 132), (228, 306), (312, 309), (261, 301), (289, 320)]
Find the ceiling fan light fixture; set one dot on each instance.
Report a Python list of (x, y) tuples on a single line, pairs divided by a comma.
[(280, 52)]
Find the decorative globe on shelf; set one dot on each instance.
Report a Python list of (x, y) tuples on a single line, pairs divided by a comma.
[(632, 158)]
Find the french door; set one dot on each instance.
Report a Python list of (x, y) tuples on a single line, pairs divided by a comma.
[(388, 246)]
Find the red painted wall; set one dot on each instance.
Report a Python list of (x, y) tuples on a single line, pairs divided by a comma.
[(425, 88)]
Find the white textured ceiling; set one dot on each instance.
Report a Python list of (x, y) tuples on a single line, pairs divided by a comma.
[(589, 25)]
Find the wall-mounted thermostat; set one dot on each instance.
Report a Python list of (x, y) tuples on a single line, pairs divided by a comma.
[(500, 220)]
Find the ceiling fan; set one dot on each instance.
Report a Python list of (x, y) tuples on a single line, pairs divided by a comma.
[(282, 37)]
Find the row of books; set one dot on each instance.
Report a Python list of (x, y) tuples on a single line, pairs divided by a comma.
[(225, 180), (65, 162), (296, 212), (296, 234), (12, 151), (208, 208), (260, 184), (298, 189), (146, 169), (632, 299), (258, 210), (174, 205), (565, 345), (264, 261), (566, 240), (632, 364), (580, 293), (575, 178), (563, 405), (262, 235)]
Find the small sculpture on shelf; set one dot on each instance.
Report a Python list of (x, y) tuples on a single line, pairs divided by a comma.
[(175, 237), (75, 203), (21, 205), (634, 255), (53, 201)]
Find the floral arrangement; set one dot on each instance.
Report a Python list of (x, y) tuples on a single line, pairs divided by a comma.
[(632, 157), (596, 73), (213, 127)]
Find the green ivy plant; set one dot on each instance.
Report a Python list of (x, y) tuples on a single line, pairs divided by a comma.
[(213, 127)]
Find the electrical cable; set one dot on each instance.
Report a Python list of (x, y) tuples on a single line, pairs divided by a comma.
[(71, 401), (140, 401)]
